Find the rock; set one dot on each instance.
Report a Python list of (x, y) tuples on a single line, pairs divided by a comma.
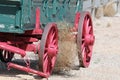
[(110, 9), (99, 12)]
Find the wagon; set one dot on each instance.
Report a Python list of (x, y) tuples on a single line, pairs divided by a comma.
[(23, 22)]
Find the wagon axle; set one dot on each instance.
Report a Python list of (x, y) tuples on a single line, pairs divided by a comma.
[(21, 52), (24, 28)]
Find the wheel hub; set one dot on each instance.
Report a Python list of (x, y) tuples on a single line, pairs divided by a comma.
[(52, 51), (89, 39)]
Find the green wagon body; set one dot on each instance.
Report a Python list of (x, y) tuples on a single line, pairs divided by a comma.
[(16, 16)]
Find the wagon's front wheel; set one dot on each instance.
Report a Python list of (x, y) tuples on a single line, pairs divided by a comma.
[(85, 37), (49, 48)]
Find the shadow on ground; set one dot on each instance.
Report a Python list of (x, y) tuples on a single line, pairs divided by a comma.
[(15, 73), (4, 72)]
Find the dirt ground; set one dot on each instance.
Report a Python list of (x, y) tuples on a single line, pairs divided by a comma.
[(104, 65)]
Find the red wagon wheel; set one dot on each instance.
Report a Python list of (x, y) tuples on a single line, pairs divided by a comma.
[(49, 48), (6, 56), (85, 37)]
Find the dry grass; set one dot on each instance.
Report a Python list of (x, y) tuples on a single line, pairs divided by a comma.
[(67, 48)]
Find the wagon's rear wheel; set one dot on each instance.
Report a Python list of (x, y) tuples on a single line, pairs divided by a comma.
[(6, 56), (85, 37), (49, 48)]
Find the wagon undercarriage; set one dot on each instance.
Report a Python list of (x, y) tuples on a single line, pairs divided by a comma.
[(11, 44), (19, 42)]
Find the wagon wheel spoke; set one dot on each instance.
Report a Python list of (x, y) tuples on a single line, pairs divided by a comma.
[(6, 56), (54, 42), (45, 56), (51, 36), (88, 49), (53, 59), (84, 53), (89, 30), (45, 64), (86, 24), (83, 45)]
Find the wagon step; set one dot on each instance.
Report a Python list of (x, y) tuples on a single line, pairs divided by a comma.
[(13, 49), (26, 69)]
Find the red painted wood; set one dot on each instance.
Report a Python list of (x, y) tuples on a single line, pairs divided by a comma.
[(26, 69), (11, 48)]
